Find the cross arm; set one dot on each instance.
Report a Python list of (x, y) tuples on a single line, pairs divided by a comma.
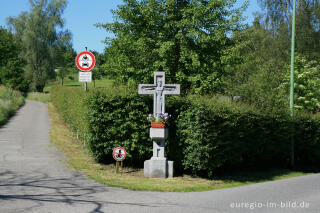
[(172, 89), (146, 89)]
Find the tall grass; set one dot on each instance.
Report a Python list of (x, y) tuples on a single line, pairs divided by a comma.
[(37, 96), (10, 101)]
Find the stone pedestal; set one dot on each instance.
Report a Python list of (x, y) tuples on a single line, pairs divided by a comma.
[(159, 133), (158, 168)]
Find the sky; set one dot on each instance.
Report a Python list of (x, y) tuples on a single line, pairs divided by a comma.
[(81, 15)]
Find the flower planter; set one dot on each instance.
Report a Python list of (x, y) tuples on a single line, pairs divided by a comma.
[(158, 133), (158, 124)]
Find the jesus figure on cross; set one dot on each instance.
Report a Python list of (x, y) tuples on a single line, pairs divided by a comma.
[(159, 89)]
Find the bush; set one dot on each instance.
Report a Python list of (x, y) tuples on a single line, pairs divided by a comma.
[(107, 119), (72, 106), (205, 137), (10, 101), (119, 120), (219, 136)]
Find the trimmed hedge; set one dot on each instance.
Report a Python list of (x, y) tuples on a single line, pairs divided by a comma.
[(105, 119), (222, 136), (73, 108), (205, 136), (119, 120)]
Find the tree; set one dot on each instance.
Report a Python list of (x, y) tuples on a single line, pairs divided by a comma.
[(38, 32), (265, 57), (188, 39), (11, 64), (278, 18), (307, 85), (62, 72), (64, 57), (261, 64), (97, 71)]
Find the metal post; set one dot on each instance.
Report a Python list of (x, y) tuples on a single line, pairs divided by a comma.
[(292, 80), (85, 83)]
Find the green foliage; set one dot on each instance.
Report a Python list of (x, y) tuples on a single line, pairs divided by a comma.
[(64, 57), (278, 18), (260, 68), (307, 137), (10, 101), (206, 136), (306, 85), (106, 120), (214, 136), (37, 96), (119, 120), (72, 106), (38, 33), (264, 54), (11, 65), (186, 39), (62, 72)]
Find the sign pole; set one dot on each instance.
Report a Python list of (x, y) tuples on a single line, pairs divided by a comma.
[(85, 83), (85, 62), (117, 167), (292, 81)]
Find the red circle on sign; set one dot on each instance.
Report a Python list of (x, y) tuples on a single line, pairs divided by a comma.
[(78, 64), (119, 153)]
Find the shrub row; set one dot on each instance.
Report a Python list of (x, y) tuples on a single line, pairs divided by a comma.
[(10, 101), (119, 120), (72, 106), (105, 119), (205, 136)]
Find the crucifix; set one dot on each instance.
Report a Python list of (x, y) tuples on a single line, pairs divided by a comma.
[(158, 165), (159, 89)]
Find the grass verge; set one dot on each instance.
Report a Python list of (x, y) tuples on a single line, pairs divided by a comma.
[(100, 83), (79, 158), (10, 102), (37, 96)]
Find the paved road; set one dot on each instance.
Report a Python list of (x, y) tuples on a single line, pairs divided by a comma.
[(34, 178)]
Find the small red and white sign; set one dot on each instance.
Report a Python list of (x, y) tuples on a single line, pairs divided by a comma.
[(119, 154), (85, 61)]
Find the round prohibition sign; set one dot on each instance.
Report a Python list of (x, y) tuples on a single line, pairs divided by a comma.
[(85, 61), (119, 154)]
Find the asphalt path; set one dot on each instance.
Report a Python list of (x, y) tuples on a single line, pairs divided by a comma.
[(34, 178)]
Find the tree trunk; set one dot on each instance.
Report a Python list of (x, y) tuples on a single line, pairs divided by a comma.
[(40, 87)]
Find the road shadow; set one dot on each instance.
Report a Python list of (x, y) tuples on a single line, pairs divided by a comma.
[(41, 188)]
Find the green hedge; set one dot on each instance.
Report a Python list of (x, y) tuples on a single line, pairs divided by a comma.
[(205, 136), (119, 120), (221, 136), (71, 102), (10, 101), (105, 119)]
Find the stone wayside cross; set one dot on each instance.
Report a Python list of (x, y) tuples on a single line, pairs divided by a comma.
[(158, 166), (159, 89)]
